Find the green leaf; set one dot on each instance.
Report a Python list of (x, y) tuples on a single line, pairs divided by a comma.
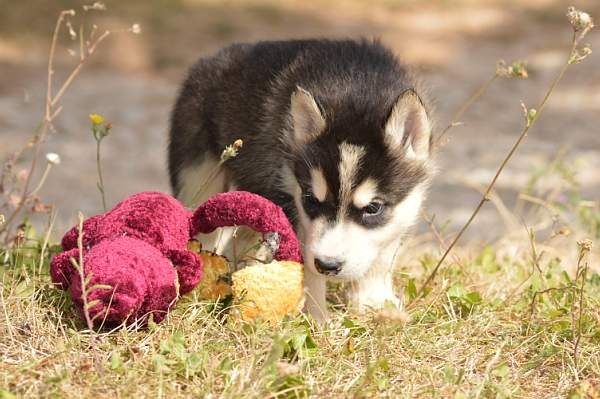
[(175, 345), (302, 342), (487, 260), (152, 325), (383, 364), (449, 374), (501, 371), (4, 394), (456, 291), (411, 288), (354, 327), (226, 365), (473, 298), (194, 364), (278, 348), (116, 361), (160, 364)]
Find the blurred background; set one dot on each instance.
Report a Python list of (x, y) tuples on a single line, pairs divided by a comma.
[(454, 45)]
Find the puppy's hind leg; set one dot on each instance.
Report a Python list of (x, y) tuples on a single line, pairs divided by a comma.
[(199, 182)]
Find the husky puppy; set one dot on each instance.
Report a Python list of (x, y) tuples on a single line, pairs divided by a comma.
[(334, 132)]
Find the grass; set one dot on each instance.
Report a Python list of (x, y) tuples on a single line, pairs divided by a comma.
[(516, 318), (501, 320), (478, 333)]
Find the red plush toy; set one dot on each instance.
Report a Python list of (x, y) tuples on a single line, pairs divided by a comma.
[(136, 255)]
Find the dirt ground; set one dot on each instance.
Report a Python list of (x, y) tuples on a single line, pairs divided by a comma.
[(454, 45)]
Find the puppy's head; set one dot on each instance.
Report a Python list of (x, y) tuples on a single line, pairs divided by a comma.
[(361, 178)]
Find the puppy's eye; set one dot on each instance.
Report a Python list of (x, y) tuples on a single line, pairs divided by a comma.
[(374, 208), (372, 214), (310, 202)]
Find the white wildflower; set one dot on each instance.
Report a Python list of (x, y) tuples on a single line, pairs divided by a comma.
[(580, 20), (98, 6), (53, 158)]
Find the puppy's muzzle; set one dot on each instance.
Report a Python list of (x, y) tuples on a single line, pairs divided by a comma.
[(328, 266)]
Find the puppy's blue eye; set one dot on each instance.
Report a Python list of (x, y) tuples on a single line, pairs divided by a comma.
[(373, 209)]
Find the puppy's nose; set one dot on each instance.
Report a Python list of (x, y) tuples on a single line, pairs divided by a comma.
[(330, 266)]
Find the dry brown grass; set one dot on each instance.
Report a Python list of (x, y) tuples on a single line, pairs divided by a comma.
[(476, 334), (515, 319)]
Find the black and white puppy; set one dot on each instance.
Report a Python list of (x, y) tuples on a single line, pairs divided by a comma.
[(334, 132)]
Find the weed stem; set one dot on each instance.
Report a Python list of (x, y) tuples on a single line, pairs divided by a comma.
[(466, 105), (100, 179), (485, 197)]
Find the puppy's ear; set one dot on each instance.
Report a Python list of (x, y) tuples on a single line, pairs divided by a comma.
[(306, 118), (408, 128)]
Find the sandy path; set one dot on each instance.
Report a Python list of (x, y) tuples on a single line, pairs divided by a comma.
[(138, 105)]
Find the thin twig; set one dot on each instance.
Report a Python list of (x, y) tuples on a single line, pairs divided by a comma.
[(42, 180), (51, 221), (485, 197), (438, 236), (455, 121), (78, 265), (77, 69), (507, 217), (230, 151), (538, 293), (43, 128), (582, 266), (52, 109)]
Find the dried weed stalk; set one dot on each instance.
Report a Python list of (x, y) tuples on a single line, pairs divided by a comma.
[(582, 23), (17, 198)]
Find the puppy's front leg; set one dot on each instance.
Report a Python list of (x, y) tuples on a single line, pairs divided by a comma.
[(376, 287), (316, 288)]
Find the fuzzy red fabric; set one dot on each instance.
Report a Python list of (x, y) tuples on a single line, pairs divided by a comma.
[(241, 208), (139, 250), (154, 217), (61, 269), (134, 280)]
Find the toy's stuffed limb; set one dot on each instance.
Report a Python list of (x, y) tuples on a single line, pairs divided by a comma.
[(189, 269), (240, 208), (110, 301), (126, 280), (90, 230), (61, 268), (156, 218)]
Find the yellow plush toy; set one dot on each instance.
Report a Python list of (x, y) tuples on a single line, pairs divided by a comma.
[(265, 291), (269, 291)]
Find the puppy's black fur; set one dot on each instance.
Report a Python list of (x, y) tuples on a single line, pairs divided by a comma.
[(243, 92)]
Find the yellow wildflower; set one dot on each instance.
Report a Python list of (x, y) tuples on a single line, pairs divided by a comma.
[(96, 119)]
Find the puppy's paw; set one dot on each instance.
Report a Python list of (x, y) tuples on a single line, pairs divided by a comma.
[(377, 301)]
